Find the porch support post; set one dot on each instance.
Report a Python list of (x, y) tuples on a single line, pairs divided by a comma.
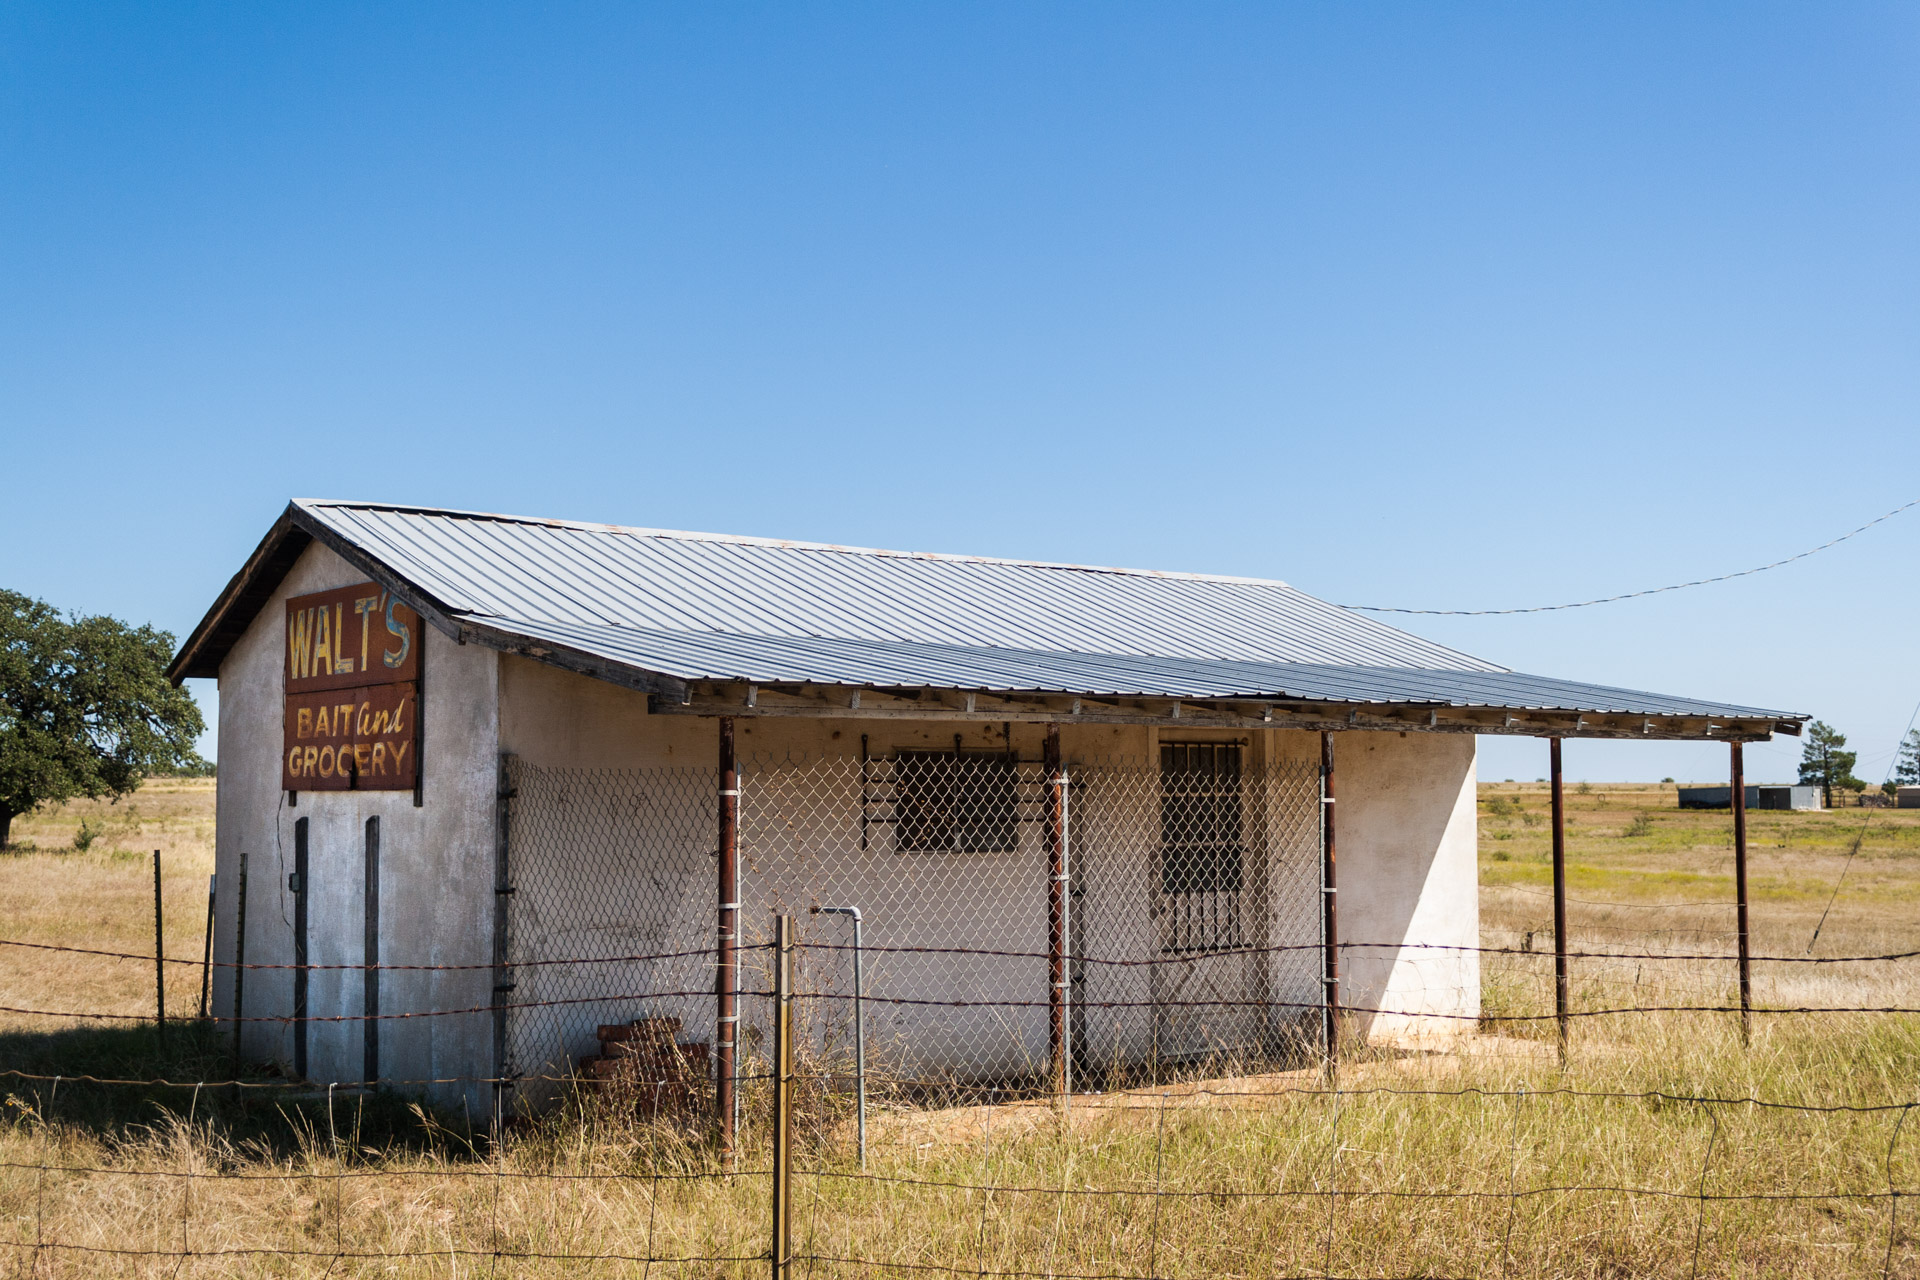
[(1740, 886), (1559, 895), (1329, 907), (1058, 1051), (727, 976)]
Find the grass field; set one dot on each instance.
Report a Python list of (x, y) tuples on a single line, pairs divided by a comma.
[(1487, 1160)]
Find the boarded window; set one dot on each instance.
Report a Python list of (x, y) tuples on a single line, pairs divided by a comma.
[(948, 802)]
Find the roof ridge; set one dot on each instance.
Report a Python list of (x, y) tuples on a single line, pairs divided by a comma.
[(795, 544)]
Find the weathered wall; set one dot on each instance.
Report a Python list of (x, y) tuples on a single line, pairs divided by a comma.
[(1407, 855), (436, 897), (1408, 874)]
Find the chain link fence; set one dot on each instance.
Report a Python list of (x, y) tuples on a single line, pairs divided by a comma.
[(1181, 938)]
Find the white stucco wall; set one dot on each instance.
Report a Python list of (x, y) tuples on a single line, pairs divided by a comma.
[(1408, 847), (436, 898), (1408, 875)]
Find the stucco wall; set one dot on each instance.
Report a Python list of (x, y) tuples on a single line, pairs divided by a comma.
[(1408, 875), (436, 898)]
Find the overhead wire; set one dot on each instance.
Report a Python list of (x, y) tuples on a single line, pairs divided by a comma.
[(1635, 595)]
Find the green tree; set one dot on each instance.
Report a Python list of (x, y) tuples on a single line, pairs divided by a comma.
[(1906, 769), (1824, 764), (86, 708)]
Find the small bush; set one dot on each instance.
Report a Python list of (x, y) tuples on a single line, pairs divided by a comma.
[(89, 832), (1641, 826)]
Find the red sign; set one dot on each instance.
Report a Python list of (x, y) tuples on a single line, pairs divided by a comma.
[(352, 711), (349, 638)]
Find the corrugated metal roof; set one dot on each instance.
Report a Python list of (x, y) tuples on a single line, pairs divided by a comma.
[(602, 575), (653, 603), (896, 664)]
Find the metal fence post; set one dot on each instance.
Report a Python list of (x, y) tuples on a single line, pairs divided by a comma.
[(239, 962), (1560, 993), (782, 1250), (206, 950), (726, 1012), (504, 982), (1739, 799), (1329, 908), (159, 959), (1057, 1049)]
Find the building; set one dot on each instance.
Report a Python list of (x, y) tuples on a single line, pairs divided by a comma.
[(528, 768), (1794, 796)]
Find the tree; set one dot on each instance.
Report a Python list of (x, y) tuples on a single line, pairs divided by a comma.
[(86, 708), (1906, 769), (1824, 764)]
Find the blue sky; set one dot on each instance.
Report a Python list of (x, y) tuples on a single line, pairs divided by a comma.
[(1444, 306)]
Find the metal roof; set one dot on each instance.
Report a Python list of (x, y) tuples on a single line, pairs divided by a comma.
[(893, 664), (548, 571), (691, 606)]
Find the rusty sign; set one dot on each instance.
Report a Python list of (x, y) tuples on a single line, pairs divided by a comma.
[(352, 710), (349, 638)]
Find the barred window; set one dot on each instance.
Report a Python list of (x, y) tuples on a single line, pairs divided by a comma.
[(1201, 840), (949, 802)]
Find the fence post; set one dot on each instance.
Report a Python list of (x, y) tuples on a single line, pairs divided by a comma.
[(1739, 799), (1329, 910), (239, 963), (782, 1251), (1559, 895), (159, 959), (370, 958), (504, 983), (206, 950), (726, 976), (1058, 1050)]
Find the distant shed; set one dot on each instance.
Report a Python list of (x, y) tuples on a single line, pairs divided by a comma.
[(1781, 797)]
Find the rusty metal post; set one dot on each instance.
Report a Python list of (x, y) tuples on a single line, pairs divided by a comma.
[(1329, 906), (239, 962), (782, 1245), (1559, 896), (1058, 1049), (1740, 887), (206, 951), (159, 959), (727, 974)]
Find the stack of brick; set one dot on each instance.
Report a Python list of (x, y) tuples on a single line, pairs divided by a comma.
[(643, 1060)]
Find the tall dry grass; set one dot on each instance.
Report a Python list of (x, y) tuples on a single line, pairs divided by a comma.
[(1644, 1155)]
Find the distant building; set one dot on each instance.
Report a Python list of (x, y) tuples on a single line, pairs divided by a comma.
[(1781, 797), (1908, 798)]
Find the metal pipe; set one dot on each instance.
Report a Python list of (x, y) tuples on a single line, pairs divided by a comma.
[(782, 1250), (859, 1018), (1056, 835), (206, 952), (1560, 1000), (239, 963), (727, 977), (1329, 908), (370, 957), (159, 959), (301, 973), (1740, 887)]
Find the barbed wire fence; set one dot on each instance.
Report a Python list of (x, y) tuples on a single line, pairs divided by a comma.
[(1147, 1098)]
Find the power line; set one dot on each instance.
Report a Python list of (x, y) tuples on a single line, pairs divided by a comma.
[(1651, 591)]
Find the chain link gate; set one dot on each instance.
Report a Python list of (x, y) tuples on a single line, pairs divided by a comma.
[(1190, 944)]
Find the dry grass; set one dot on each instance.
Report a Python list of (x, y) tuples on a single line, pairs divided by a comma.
[(1528, 1177)]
